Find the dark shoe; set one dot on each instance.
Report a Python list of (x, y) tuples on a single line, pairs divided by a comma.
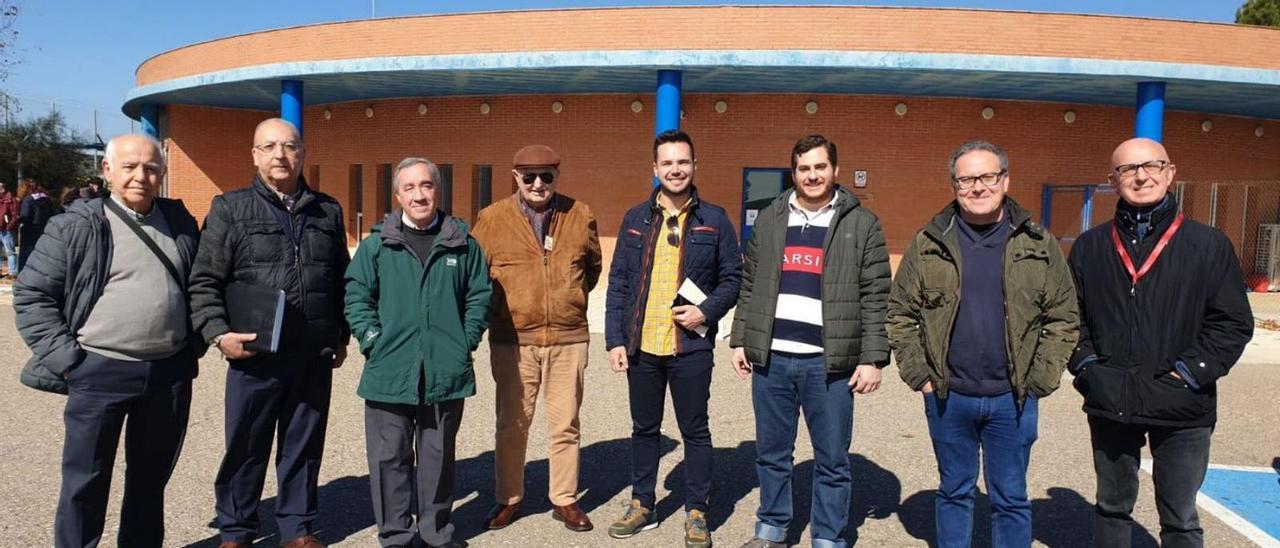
[(502, 515), (696, 533), (636, 520), (234, 544), (304, 541), (573, 517)]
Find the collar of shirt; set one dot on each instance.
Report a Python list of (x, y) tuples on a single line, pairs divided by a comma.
[(809, 216), (657, 202), (136, 216), (404, 218)]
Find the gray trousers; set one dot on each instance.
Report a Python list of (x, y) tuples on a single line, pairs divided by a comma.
[(393, 434)]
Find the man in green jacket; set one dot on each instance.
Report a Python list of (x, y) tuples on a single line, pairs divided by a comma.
[(809, 330), (417, 301), (982, 319)]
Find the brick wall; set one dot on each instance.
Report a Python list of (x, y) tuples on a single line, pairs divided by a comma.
[(737, 27), (606, 148)]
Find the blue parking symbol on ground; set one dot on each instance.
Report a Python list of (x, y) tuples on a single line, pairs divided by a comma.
[(1253, 494)]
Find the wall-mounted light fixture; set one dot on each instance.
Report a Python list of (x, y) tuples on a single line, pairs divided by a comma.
[(721, 106), (484, 108), (1069, 117), (557, 107), (988, 113), (637, 106), (811, 107), (900, 109)]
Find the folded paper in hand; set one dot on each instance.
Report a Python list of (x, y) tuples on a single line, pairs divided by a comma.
[(689, 293)]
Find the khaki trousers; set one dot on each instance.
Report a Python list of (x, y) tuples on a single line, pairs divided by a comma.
[(520, 372)]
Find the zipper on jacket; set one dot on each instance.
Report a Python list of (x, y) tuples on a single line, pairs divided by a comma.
[(646, 261)]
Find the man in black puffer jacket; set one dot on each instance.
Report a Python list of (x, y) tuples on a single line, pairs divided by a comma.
[(1163, 316), (107, 322), (276, 233)]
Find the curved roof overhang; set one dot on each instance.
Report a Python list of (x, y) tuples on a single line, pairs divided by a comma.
[(1220, 89)]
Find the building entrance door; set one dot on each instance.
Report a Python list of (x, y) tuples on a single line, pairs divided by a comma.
[(760, 185)]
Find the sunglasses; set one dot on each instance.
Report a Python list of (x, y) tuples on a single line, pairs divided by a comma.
[(673, 231), (546, 176)]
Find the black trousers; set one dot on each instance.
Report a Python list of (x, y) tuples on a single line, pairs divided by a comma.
[(1180, 456), (401, 487), (272, 397), (155, 397), (689, 376)]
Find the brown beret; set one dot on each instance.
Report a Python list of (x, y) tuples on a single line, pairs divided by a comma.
[(536, 156)]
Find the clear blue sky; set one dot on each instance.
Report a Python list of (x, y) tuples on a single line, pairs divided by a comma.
[(81, 54)]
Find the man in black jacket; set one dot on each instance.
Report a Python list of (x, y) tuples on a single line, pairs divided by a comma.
[(276, 233), (1163, 316), (103, 306)]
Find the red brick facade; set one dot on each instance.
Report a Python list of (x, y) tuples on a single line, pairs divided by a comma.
[(606, 148)]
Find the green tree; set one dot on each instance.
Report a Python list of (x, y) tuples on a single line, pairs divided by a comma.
[(1259, 12), (49, 151)]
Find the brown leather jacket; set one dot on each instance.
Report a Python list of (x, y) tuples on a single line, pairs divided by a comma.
[(539, 295)]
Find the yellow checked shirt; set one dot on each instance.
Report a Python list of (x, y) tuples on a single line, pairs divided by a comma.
[(658, 336)]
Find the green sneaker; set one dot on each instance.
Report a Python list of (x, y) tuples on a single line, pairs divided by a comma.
[(696, 534), (637, 519)]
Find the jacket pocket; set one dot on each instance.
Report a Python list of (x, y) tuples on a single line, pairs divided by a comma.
[(266, 242), (1103, 387), (1167, 398), (322, 241)]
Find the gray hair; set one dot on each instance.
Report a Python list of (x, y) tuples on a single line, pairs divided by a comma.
[(415, 161), (975, 146), (110, 154)]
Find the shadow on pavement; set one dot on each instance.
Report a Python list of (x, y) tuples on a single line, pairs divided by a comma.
[(605, 471), (346, 508), (733, 476), (1064, 519)]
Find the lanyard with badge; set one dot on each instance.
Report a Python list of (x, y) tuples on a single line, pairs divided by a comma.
[(1136, 275)]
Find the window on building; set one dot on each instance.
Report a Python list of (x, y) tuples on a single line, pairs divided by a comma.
[(387, 196), (355, 192), (481, 188), (445, 195)]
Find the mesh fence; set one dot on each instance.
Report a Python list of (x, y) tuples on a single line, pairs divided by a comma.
[(1247, 212)]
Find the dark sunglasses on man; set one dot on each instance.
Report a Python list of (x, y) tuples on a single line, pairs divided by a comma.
[(547, 177)]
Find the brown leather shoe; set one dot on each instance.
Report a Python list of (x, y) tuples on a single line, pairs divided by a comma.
[(502, 515), (233, 544), (573, 517), (304, 541)]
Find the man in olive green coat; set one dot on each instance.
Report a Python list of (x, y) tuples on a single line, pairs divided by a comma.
[(982, 318), (417, 301)]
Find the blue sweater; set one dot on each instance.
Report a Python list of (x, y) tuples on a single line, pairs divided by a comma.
[(978, 358)]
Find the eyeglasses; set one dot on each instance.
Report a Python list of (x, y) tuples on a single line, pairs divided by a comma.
[(673, 230), (289, 147), (546, 176), (1129, 171), (988, 179)]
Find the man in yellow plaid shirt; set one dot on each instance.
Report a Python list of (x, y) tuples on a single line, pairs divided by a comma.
[(662, 335)]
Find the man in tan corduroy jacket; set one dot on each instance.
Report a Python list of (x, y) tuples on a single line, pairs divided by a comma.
[(544, 258)]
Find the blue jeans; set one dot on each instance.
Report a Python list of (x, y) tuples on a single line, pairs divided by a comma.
[(960, 425), (779, 392), (6, 238)]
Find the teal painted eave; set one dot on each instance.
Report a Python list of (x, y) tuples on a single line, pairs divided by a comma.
[(1205, 88)]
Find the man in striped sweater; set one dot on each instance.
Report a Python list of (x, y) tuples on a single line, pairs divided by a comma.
[(809, 330)]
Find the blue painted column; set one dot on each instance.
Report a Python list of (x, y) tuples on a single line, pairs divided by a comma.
[(1150, 118), (291, 102), (668, 107), (151, 120)]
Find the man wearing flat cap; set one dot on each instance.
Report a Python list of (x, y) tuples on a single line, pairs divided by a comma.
[(544, 258)]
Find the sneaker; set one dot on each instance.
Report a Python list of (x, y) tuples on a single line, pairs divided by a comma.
[(696, 534), (637, 519), (757, 542)]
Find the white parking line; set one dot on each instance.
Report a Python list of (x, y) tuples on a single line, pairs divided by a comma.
[(1232, 519)]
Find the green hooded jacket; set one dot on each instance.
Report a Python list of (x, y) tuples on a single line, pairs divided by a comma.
[(418, 325), (1041, 319)]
